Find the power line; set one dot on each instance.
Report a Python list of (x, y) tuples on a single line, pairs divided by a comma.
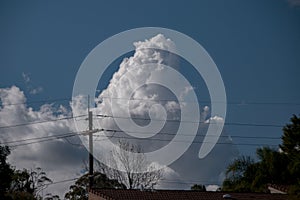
[(62, 181), (138, 118), (207, 101), (185, 141), (162, 180), (187, 182), (169, 181), (71, 143), (197, 135), (72, 134), (40, 122), (40, 141), (35, 102), (193, 122), (58, 136), (239, 103)]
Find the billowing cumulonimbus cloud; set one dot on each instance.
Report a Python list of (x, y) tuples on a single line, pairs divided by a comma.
[(134, 73), (130, 94), (58, 157), (131, 81)]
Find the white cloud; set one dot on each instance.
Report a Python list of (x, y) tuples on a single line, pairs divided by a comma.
[(59, 159), (29, 86), (36, 90), (172, 106), (212, 187), (128, 82), (205, 113), (62, 161), (26, 77), (214, 119), (185, 91)]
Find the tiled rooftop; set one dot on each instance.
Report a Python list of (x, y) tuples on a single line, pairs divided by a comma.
[(118, 194)]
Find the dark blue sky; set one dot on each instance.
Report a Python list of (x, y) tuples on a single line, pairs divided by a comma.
[(255, 44)]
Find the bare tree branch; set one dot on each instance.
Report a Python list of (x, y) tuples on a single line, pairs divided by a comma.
[(129, 164)]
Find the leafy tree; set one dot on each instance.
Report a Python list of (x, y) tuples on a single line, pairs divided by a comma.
[(79, 191), (6, 171), (28, 182), (238, 174), (21, 181), (198, 187), (291, 138), (20, 184), (276, 167), (17, 195), (244, 175), (39, 181), (32, 182), (291, 147), (273, 165)]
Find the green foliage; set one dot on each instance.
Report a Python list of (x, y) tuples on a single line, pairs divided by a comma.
[(291, 147), (21, 184), (31, 182), (198, 187), (273, 165), (291, 137), (79, 191), (238, 174), (17, 195), (294, 192), (282, 168), (245, 175), (6, 171)]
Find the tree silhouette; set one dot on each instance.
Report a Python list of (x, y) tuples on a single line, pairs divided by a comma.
[(198, 187), (280, 167), (131, 164), (20, 184), (79, 190), (6, 171)]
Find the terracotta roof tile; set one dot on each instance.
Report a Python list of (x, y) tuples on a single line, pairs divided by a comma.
[(283, 188), (119, 194)]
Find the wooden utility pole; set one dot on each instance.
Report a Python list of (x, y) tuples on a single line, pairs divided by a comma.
[(91, 158)]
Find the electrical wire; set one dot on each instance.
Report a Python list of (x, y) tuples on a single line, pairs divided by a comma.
[(40, 122), (193, 122), (197, 135), (71, 143), (72, 134), (187, 182), (206, 102), (169, 181), (38, 138), (162, 180), (240, 103), (43, 140), (198, 142), (63, 181), (36, 102)]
